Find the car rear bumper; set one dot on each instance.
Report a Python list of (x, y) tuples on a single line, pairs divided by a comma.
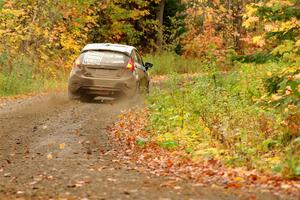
[(79, 84)]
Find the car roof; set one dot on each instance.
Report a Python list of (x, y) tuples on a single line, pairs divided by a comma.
[(109, 47)]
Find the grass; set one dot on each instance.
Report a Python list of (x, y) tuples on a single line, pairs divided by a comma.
[(223, 116), (22, 76), (168, 63)]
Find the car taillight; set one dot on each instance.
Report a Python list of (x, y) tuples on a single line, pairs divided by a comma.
[(77, 63), (130, 65)]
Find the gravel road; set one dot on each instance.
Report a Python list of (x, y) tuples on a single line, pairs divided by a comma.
[(52, 148)]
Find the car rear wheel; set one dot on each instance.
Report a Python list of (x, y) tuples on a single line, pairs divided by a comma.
[(79, 97), (73, 96)]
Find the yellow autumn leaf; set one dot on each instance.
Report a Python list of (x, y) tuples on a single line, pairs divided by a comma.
[(238, 179), (222, 8), (206, 130), (276, 97), (259, 41), (250, 10), (62, 145), (297, 44), (49, 156)]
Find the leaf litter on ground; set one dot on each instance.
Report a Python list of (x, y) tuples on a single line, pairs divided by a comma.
[(126, 135)]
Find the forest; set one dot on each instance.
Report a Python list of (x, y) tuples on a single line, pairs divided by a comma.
[(232, 68)]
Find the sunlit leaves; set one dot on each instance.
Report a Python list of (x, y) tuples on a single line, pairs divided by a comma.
[(249, 16), (130, 22), (279, 21), (47, 31), (259, 41)]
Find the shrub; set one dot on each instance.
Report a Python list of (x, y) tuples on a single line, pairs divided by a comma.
[(258, 58), (228, 116), (21, 75), (167, 63)]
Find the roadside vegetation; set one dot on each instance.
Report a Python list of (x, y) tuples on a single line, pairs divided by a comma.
[(241, 107), (25, 76), (168, 63), (232, 116)]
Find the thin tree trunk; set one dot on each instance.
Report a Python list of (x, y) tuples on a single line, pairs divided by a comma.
[(160, 18), (239, 22)]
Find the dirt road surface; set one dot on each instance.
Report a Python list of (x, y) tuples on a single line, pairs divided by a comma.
[(52, 148)]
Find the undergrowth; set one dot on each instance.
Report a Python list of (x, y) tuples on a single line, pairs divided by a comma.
[(21, 75), (233, 116), (168, 63)]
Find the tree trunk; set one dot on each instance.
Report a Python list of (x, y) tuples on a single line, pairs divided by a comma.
[(160, 18), (239, 24)]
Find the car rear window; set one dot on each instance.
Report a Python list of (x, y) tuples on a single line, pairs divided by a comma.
[(103, 58)]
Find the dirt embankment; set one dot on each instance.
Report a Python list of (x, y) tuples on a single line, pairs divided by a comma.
[(52, 148)]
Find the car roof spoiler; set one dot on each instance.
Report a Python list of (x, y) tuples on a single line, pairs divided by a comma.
[(126, 49)]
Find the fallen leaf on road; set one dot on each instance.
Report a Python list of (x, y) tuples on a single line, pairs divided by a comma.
[(33, 183), (112, 180), (285, 186), (233, 185), (164, 198), (89, 151), (177, 187), (101, 168), (238, 179), (49, 156), (13, 179), (62, 145), (7, 175), (168, 183), (78, 185)]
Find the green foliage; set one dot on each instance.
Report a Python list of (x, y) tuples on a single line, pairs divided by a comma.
[(291, 165), (174, 16), (141, 141), (278, 26), (23, 76), (17, 80), (168, 144), (225, 112), (129, 22), (259, 58), (168, 63), (286, 84)]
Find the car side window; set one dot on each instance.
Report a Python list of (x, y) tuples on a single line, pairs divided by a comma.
[(134, 56), (137, 59), (140, 60)]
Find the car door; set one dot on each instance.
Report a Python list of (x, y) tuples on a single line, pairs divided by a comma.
[(141, 70)]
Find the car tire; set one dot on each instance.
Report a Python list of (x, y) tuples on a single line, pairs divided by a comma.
[(73, 96), (81, 98)]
